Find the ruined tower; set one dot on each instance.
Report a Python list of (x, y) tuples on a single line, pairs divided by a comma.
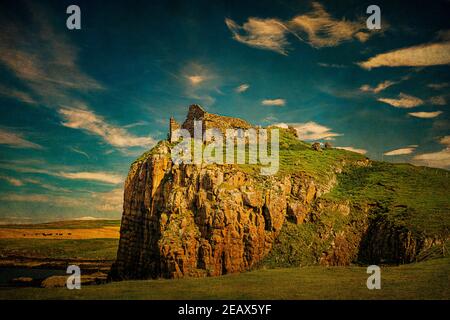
[(173, 125)]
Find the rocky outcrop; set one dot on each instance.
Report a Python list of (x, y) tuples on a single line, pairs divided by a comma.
[(188, 220), (210, 120), (208, 220)]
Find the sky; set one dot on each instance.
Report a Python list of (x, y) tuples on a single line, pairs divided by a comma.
[(78, 106)]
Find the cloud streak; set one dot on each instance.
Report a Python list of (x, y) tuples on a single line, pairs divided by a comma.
[(16, 140), (316, 27), (274, 102), (242, 88), (92, 176), (352, 149), (267, 34), (404, 101), (88, 121), (425, 115), (424, 55), (401, 151), (438, 159), (311, 131)]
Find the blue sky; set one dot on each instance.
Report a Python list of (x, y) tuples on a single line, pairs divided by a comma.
[(77, 106)]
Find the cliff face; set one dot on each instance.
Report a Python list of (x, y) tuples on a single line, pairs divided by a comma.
[(187, 220), (329, 207)]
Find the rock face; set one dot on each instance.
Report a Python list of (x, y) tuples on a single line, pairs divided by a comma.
[(188, 220), (208, 220), (210, 120)]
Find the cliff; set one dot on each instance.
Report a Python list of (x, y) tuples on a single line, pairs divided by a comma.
[(330, 207)]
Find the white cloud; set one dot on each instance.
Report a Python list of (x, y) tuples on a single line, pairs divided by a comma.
[(425, 115), (268, 34), (438, 159), (311, 131), (401, 151), (200, 82), (404, 101), (64, 172), (116, 136), (317, 28), (92, 176), (322, 30), (242, 88), (380, 87), (16, 140), (196, 79), (273, 102), (352, 149), (431, 54)]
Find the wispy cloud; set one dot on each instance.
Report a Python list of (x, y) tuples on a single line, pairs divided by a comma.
[(425, 115), (242, 88), (273, 102), (401, 151), (88, 121), (311, 131), (380, 87), (352, 149), (109, 201), (438, 159), (200, 82), (323, 30), (65, 172), (80, 152), (92, 176), (430, 54), (16, 140), (196, 79), (13, 181), (62, 201), (403, 101), (268, 34), (16, 94), (317, 28), (43, 58)]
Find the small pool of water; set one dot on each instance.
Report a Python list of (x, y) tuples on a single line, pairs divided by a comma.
[(9, 273)]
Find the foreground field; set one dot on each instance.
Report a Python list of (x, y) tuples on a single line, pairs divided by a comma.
[(425, 280)]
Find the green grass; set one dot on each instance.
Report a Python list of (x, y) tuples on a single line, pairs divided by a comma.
[(417, 198), (425, 280), (95, 249), (68, 224)]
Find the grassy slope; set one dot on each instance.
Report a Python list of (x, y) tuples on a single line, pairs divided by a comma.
[(415, 197), (425, 280)]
